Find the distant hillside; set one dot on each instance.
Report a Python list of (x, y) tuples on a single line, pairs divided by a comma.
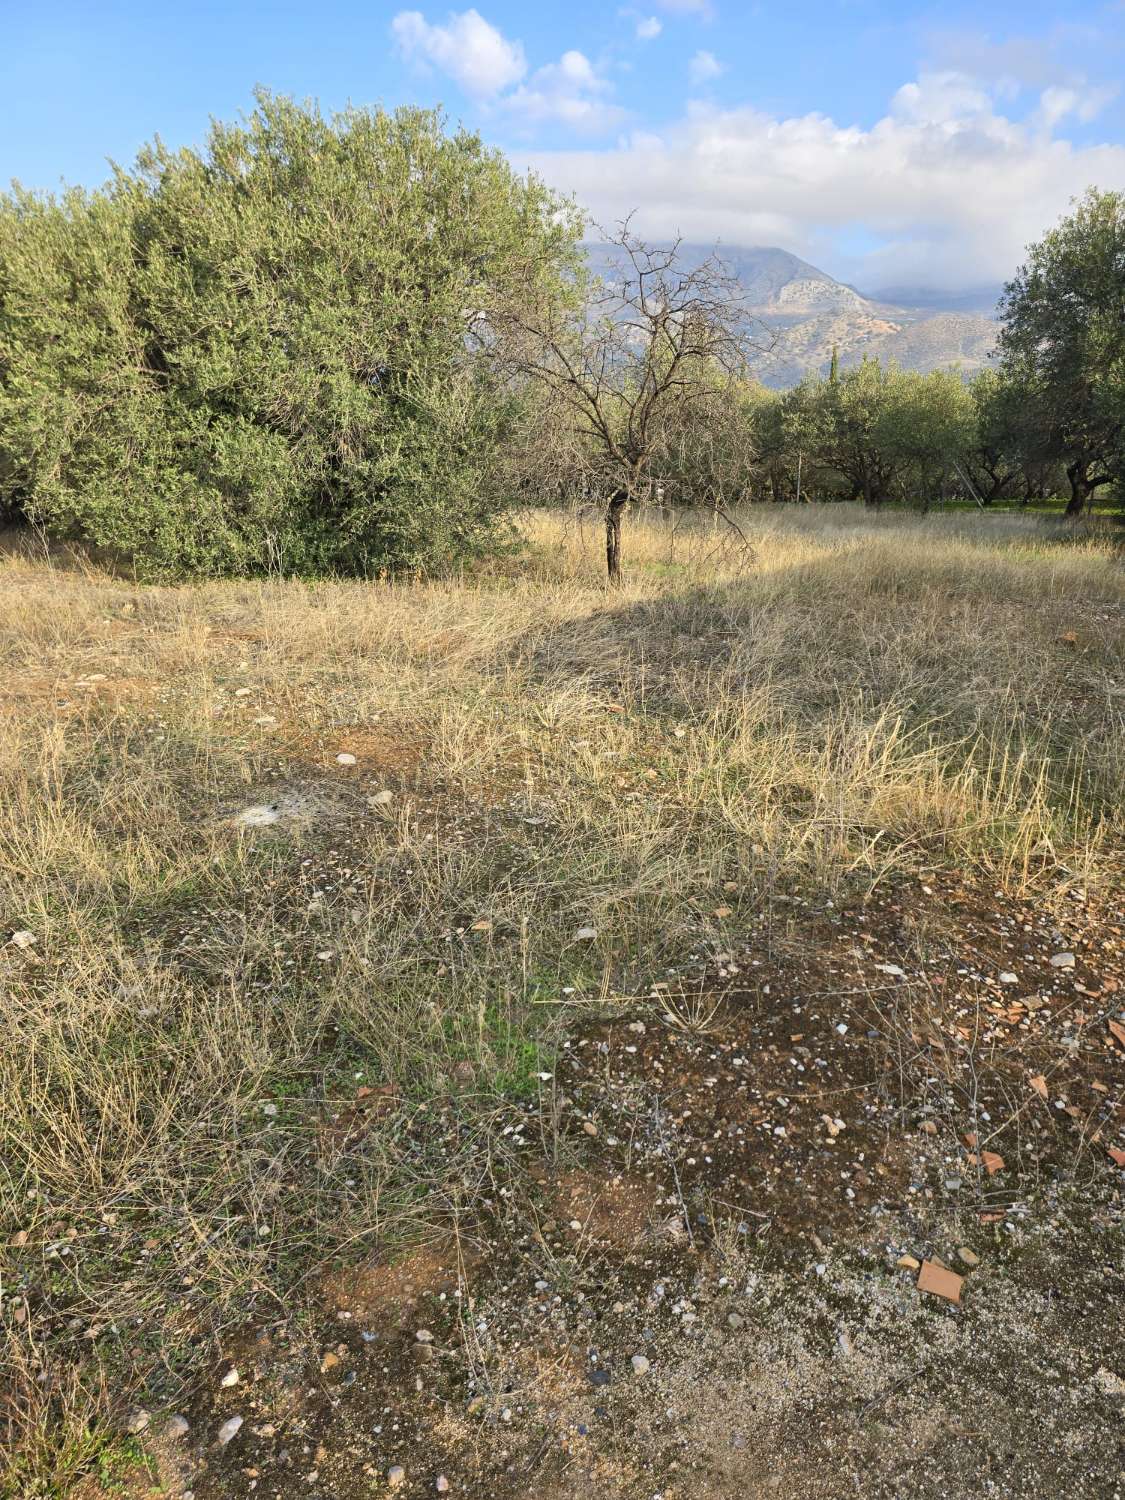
[(806, 312)]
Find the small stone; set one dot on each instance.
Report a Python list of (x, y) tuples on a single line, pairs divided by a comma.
[(441, 1484), (177, 1427), (589, 1127), (1062, 961), (23, 939), (381, 799), (329, 1362), (229, 1429), (892, 969), (968, 1257), (1009, 978), (585, 934), (640, 1364), (261, 815), (396, 1475), (907, 1263), (736, 1321), (137, 1420), (844, 1339), (424, 1336), (928, 1127), (638, 1028), (345, 758), (230, 1378), (599, 1377)]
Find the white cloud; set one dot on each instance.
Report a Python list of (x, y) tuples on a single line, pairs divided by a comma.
[(703, 67), (649, 27), (571, 91), (467, 48), (486, 65), (1086, 103), (947, 188), (942, 99)]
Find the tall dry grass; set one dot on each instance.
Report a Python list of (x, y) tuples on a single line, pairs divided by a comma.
[(817, 699)]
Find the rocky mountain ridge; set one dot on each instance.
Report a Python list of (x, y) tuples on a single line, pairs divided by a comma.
[(802, 313)]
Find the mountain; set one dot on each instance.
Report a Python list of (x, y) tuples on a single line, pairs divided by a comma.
[(802, 313)]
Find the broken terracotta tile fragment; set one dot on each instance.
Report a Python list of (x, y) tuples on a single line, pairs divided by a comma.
[(940, 1281)]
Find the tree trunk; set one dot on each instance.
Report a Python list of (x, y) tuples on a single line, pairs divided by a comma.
[(1080, 489), (995, 485), (617, 503)]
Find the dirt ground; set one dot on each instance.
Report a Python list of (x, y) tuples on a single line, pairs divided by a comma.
[(704, 1281)]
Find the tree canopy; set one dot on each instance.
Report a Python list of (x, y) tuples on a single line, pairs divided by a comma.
[(265, 353), (1063, 344)]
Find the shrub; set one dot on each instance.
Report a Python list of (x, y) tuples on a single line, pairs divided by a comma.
[(264, 355)]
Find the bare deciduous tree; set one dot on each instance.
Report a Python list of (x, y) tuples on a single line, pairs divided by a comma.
[(653, 340)]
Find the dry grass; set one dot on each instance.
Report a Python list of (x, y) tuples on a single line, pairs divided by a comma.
[(831, 703)]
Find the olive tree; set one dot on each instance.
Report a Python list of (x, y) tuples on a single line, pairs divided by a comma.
[(653, 341), (266, 353), (1062, 345)]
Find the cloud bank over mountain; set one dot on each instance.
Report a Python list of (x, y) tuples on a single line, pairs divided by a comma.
[(967, 162), (944, 189)]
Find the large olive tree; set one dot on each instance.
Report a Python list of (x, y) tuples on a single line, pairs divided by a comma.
[(1063, 345), (265, 353)]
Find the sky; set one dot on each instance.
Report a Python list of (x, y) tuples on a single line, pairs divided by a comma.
[(892, 144)]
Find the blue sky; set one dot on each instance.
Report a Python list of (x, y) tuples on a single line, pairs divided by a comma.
[(885, 141)]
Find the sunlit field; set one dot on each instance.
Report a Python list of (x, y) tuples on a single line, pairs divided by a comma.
[(291, 869)]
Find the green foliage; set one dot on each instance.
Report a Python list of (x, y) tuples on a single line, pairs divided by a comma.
[(264, 355), (1063, 344), (877, 432)]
